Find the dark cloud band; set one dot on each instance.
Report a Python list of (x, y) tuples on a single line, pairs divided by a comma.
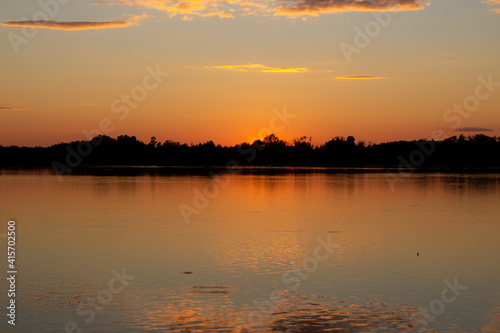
[(68, 25)]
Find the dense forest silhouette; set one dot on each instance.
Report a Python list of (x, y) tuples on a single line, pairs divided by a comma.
[(478, 151)]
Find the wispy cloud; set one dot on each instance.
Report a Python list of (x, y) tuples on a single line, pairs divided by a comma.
[(261, 68), (317, 7), (473, 129), (493, 2), (107, 2), (85, 104), (290, 8), (14, 108), (219, 14), (67, 25), (188, 7), (77, 25), (359, 77)]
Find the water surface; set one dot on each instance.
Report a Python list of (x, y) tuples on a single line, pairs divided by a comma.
[(219, 269)]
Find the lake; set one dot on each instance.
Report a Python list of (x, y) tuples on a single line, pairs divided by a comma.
[(257, 251)]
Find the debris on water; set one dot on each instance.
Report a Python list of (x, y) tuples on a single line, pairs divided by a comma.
[(209, 289)]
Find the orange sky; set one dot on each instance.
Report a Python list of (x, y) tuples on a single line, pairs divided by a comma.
[(379, 70)]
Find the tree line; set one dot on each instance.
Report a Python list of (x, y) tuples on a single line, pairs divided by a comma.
[(471, 151)]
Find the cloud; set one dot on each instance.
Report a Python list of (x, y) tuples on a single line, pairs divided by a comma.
[(493, 2), (290, 8), (316, 7), (473, 129), (106, 2), (359, 77), (14, 108), (81, 25), (219, 14), (85, 104), (67, 25), (261, 68), (187, 7)]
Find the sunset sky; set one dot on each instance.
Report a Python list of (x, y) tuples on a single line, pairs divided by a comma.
[(65, 64)]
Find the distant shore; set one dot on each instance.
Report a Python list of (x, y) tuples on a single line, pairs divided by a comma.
[(472, 154)]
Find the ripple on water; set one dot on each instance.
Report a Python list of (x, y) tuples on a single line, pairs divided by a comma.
[(206, 312)]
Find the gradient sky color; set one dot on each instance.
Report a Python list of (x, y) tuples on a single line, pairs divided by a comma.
[(232, 63)]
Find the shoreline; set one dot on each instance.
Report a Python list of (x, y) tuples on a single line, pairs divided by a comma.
[(257, 170)]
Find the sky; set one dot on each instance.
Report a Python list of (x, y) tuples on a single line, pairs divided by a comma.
[(200, 70)]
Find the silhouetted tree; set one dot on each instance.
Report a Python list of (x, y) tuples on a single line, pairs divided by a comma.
[(474, 151), (153, 142)]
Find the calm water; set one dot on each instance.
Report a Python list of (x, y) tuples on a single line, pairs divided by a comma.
[(258, 240)]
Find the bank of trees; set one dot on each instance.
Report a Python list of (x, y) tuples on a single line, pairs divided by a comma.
[(472, 151)]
